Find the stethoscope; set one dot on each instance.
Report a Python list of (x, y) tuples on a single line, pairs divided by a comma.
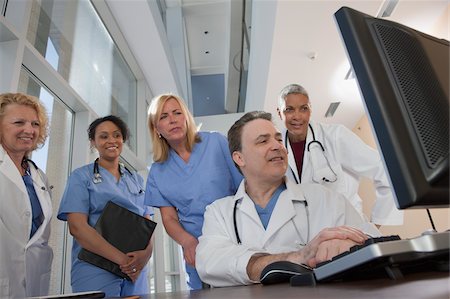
[(97, 179), (304, 202), (46, 187), (308, 149)]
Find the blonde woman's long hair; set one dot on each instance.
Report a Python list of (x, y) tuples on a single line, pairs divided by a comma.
[(160, 146)]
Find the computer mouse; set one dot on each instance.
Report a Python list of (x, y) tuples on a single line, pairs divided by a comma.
[(282, 271)]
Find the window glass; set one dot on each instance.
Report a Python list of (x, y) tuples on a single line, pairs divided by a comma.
[(2, 7), (72, 38), (54, 159)]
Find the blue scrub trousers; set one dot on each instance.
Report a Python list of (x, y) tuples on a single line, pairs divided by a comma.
[(112, 285), (193, 280)]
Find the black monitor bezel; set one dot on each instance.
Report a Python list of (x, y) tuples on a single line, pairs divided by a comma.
[(415, 186)]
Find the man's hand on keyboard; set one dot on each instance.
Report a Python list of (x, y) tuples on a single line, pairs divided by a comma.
[(329, 243), (329, 249)]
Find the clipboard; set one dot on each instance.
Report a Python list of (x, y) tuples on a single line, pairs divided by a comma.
[(125, 230)]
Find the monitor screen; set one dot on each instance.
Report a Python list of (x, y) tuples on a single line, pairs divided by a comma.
[(403, 76)]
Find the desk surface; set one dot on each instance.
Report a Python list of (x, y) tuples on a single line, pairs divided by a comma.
[(420, 285)]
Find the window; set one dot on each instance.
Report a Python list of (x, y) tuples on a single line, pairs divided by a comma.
[(72, 38), (60, 51), (54, 158)]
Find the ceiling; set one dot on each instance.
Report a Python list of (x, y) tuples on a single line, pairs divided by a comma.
[(305, 47), (213, 34), (306, 27), (206, 33)]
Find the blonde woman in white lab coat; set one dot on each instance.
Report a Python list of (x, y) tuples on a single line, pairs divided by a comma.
[(25, 203), (333, 156)]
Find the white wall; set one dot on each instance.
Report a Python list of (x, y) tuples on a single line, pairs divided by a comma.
[(220, 123), (263, 26)]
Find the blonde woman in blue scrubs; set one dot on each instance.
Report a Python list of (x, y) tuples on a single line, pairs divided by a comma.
[(191, 169)]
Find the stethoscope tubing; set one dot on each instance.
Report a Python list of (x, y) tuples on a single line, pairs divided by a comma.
[(286, 138), (97, 178), (46, 187), (238, 238)]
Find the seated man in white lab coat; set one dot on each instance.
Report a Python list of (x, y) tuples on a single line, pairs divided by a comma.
[(270, 218)]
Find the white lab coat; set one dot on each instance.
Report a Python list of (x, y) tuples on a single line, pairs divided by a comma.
[(221, 261), (25, 263), (350, 159)]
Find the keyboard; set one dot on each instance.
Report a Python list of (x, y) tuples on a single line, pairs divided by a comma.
[(389, 256), (358, 247)]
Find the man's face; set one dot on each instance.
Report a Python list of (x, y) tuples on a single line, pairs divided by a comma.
[(295, 115), (263, 155)]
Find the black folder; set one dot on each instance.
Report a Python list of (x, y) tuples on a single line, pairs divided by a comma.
[(81, 295), (125, 230)]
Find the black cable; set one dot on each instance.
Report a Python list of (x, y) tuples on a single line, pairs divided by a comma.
[(5, 5), (431, 220)]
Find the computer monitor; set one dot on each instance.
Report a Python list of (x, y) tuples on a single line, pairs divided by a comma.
[(403, 76)]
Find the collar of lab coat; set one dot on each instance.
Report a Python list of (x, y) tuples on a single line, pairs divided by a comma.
[(291, 159), (9, 170), (284, 209)]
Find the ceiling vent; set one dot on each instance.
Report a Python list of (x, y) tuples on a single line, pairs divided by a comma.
[(332, 109)]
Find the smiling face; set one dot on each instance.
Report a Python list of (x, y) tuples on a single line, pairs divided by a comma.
[(295, 115), (19, 130), (172, 122), (263, 156), (108, 140)]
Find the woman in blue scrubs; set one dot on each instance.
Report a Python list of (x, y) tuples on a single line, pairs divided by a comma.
[(88, 190), (191, 169)]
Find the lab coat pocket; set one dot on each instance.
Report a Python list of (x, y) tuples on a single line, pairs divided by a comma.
[(5, 291)]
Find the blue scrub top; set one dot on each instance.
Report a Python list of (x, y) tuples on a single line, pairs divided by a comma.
[(210, 174), (36, 209), (82, 195)]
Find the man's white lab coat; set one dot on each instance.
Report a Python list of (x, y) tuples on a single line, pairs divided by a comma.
[(221, 261)]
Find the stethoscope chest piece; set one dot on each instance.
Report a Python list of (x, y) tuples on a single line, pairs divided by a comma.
[(97, 178)]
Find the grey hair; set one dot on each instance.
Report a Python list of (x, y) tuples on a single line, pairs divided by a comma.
[(290, 89)]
